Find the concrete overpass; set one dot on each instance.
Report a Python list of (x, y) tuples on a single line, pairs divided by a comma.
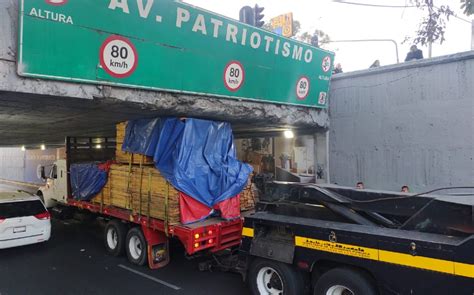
[(44, 111)]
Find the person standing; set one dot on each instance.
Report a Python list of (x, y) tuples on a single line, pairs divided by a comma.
[(337, 69), (375, 64), (414, 53)]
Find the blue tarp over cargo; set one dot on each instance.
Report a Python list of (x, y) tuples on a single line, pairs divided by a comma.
[(196, 156), (87, 180)]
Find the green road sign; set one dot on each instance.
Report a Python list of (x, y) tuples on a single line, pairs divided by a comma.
[(167, 45)]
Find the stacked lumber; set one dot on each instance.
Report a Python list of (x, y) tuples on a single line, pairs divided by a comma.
[(143, 190), (125, 157), (247, 198)]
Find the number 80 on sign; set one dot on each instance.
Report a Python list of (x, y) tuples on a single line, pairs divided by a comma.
[(234, 76), (118, 56)]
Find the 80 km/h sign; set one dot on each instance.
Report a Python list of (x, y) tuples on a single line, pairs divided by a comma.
[(118, 56), (234, 75), (302, 88)]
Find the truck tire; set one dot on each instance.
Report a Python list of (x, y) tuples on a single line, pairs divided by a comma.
[(271, 277), (136, 247), (115, 234), (344, 281)]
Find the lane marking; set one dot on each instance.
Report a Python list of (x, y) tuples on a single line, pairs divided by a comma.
[(150, 277)]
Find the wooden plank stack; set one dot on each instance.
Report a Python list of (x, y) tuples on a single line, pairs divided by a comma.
[(142, 190), (125, 157), (247, 198)]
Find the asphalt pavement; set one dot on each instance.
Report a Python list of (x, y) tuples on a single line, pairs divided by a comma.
[(74, 261)]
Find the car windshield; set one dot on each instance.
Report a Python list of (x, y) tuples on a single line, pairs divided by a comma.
[(20, 209)]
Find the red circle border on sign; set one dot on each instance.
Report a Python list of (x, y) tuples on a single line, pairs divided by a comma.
[(243, 75), (56, 4), (101, 56), (296, 88)]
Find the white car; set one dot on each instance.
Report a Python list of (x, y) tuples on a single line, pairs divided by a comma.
[(24, 220)]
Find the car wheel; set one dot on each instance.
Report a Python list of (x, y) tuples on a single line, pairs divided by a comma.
[(114, 237), (344, 281), (270, 277), (136, 246)]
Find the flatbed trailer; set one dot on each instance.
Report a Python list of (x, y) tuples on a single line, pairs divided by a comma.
[(144, 239), (330, 240)]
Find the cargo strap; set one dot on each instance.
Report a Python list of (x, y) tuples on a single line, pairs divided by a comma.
[(166, 207), (140, 188), (129, 180), (102, 200), (149, 195)]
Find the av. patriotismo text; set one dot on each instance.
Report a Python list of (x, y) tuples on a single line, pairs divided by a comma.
[(219, 28)]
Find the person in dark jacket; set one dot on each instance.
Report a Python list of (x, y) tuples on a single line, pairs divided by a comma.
[(414, 53), (375, 64), (337, 69)]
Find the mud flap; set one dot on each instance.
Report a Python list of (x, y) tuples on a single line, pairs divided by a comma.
[(157, 248)]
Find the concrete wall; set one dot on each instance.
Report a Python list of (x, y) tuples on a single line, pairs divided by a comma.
[(411, 124), (12, 164), (19, 165)]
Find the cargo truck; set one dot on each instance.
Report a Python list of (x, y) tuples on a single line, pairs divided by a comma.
[(144, 239)]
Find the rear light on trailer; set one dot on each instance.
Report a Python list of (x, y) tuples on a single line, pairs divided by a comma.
[(197, 236), (196, 245), (210, 241), (43, 216), (209, 233)]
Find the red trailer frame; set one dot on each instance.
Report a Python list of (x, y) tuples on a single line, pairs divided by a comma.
[(210, 236)]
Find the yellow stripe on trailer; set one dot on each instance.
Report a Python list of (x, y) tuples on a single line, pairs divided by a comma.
[(337, 248), (421, 262), (247, 232), (463, 269)]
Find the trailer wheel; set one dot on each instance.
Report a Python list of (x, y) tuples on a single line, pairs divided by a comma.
[(136, 246), (271, 277), (114, 237), (344, 281)]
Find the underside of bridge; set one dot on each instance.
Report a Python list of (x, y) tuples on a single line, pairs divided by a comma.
[(31, 119)]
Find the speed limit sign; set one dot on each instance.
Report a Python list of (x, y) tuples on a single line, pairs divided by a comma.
[(302, 88), (234, 75), (118, 56)]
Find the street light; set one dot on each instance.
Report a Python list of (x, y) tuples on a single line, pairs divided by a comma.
[(370, 40), (288, 134), (43, 147)]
